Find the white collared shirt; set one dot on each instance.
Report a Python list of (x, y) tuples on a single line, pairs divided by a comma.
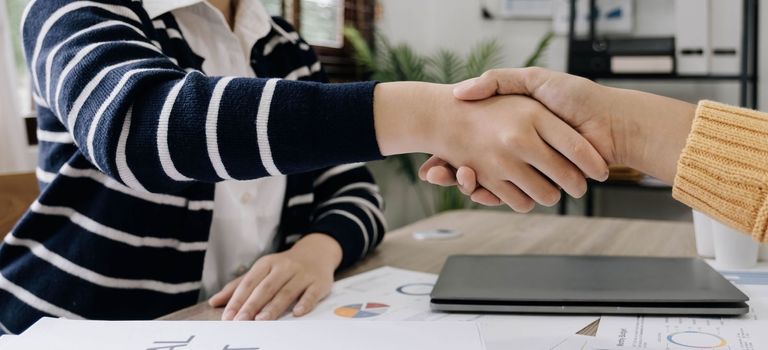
[(246, 214)]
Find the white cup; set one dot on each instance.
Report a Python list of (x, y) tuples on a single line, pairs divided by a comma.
[(764, 252), (733, 249), (702, 226)]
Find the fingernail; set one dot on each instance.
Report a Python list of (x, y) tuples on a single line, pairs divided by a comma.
[(228, 315), (242, 317), (262, 316), (299, 309), (459, 89), (458, 180)]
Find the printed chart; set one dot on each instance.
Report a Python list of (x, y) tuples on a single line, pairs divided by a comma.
[(392, 295), (361, 310), (416, 289), (697, 340), (746, 332), (683, 333)]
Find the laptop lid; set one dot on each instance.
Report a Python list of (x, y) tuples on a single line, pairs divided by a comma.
[(634, 283)]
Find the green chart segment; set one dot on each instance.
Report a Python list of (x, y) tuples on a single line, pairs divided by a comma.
[(365, 310)]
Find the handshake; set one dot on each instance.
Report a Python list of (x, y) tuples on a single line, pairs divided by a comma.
[(519, 136)]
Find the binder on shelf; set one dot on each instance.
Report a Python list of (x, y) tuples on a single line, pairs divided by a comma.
[(692, 36), (642, 65), (725, 36), (603, 58)]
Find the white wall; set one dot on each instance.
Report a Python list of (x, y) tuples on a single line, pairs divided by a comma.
[(427, 25)]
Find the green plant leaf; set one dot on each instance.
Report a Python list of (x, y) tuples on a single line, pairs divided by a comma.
[(446, 67), (486, 55), (401, 63), (362, 52), (538, 54)]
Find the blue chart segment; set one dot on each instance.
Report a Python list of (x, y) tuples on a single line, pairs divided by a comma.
[(754, 278), (697, 340), (361, 310), (416, 289)]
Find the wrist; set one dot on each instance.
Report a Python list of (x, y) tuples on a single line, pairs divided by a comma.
[(407, 116), (650, 131), (321, 247), (627, 131)]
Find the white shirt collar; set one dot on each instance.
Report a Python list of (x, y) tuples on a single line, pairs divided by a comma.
[(158, 7), (256, 19)]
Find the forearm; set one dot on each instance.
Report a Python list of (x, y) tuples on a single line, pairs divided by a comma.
[(649, 131), (405, 116)]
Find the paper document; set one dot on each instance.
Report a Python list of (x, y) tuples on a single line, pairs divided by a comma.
[(391, 294), (734, 333), (60, 334)]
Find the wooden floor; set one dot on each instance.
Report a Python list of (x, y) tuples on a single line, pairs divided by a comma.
[(17, 192)]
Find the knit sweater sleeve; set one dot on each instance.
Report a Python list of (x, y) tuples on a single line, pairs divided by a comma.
[(723, 169), (153, 126)]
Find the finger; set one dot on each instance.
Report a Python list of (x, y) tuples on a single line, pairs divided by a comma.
[(262, 294), (485, 197), (283, 299), (244, 289), (556, 167), (511, 195), (442, 176), (467, 180), (220, 298), (310, 298), (573, 146), (429, 164), (535, 185)]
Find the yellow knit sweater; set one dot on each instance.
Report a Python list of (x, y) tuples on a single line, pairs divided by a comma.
[(723, 170)]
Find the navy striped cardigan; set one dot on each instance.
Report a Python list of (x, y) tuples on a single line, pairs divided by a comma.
[(128, 130)]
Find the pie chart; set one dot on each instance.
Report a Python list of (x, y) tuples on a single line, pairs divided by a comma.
[(697, 340), (366, 310)]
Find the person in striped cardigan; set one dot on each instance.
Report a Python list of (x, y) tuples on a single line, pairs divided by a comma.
[(193, 150)]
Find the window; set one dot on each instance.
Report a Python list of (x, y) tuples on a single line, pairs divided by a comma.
[(274, 7), (322, 22), (15, 9)]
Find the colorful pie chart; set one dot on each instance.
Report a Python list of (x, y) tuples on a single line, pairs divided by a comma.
[(366, 310), (697, 340)]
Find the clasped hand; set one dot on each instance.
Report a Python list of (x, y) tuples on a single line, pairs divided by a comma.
[(557, 141)]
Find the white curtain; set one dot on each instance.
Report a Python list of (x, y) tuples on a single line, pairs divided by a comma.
[(14, 152)]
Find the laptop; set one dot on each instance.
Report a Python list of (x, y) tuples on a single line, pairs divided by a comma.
[(585, 285)]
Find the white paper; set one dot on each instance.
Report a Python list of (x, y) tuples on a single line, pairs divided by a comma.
[(684, 332), (746, 332), (386, 308), (63, 334), (7, 340), (391, 294)]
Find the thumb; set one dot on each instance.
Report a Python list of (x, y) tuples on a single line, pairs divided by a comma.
[(475, 89), (506, 81)]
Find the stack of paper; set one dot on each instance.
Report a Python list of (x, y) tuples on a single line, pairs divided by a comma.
[(391, 294), (736, 333), (397, 301), (62, 334)]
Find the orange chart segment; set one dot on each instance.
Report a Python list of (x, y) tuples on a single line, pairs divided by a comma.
[(361, 310)]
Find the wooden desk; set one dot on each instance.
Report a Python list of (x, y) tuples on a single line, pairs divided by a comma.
[(493, 232), (17, 192)]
